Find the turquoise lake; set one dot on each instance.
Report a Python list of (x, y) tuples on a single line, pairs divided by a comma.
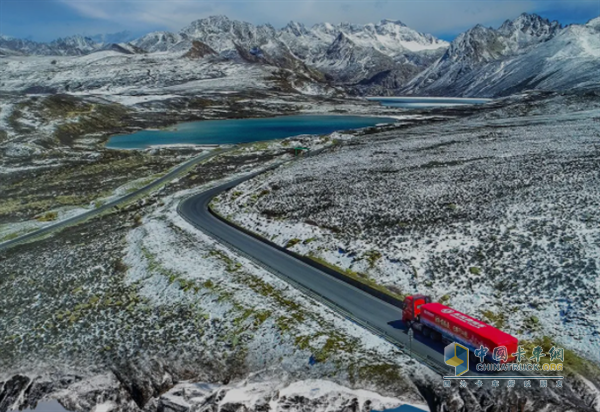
[(426, 102), (243, 130)]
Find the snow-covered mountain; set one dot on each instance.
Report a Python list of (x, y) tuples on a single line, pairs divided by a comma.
[(162, 41), (594, 23), (68, 46), (385, 58), (12, 46), (113, 38), (347, 53), (74, 45), (386, 54), (527, 53), (363, 54)]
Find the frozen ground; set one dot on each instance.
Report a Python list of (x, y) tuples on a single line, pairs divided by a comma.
[(135, 308), (123, 77), (496, 215), (145, 300)]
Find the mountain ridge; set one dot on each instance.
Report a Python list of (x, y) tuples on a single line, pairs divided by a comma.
[(529, 52), (383, 58)]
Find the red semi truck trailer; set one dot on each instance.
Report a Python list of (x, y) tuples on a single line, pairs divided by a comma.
[(442, 323)]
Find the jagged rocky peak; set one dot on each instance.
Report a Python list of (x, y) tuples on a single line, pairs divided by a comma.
[(223, 26), (341, 45), (478, 44), (532, 24), (213, 23), (159, 41), (529, 29), (17, 46), (594, 23), (295, 28), (230, 36), (482, 44), (411, 39), (387, 36), (348, 27), (76, 42), (385, 22), (325, 31)]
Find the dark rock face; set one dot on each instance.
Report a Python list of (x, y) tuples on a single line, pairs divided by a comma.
[(11, 390), (169, 405), (155, 393), (570, 397), (22, 392), (199, 50), (145, 382), (37, 390)]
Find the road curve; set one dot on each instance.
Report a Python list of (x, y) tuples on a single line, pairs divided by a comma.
[(360, 307), (118, 202)]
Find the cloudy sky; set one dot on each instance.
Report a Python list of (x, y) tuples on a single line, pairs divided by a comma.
[(45, 20)]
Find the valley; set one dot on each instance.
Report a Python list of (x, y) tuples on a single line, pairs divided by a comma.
[(486, 200)]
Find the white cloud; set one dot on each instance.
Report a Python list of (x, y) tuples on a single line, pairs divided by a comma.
[(433, 16)]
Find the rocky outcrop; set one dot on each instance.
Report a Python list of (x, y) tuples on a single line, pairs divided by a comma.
[(21, 392), (199, 50), (12, 390), (523, 54), (347, 53)]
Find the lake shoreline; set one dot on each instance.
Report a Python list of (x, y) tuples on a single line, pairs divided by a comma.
[(234, 131)]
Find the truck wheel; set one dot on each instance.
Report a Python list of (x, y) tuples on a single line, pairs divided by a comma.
[(436, 336), (426, 331)]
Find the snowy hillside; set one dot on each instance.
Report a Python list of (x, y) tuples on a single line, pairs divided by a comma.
[(111, 73), (68, 46), (348, 54), (161, 41), (496, 215), (527, 53), (386, 58)]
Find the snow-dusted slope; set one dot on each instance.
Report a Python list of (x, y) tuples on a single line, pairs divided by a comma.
[(68, 46), (594, 23), (386, 58), (387, 37), (113, 73), (120, 37), (225, 35), (161, 41), (527, 53), (349, 54), (369, 53)]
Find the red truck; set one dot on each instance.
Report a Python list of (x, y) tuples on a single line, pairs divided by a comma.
[(442, 323)]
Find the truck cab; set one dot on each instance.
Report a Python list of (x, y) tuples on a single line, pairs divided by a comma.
[(412, 307)]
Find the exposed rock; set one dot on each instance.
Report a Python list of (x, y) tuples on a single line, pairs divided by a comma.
[(172, 404), (12, 391), (199, 50), (144, 382), (523, 54)]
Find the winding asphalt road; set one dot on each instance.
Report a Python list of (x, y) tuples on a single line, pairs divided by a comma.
[(370, 312), (115, 203), (375, 315)]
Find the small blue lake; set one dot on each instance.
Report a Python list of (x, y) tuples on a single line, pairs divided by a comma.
[(403, 408), (425, 102), (243, 130)]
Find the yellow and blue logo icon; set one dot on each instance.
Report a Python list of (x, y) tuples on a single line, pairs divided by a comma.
[(458, 356)]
